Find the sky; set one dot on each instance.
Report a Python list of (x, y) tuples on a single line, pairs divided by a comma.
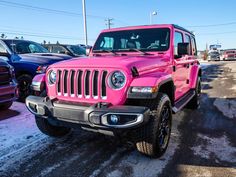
[(213, 21)]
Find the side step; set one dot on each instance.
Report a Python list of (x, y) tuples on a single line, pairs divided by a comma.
[(183, 101)]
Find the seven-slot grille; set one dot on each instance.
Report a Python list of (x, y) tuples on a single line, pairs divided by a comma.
[(5, 77), (82, 83)]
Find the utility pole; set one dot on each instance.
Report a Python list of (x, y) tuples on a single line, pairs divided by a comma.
[(109, 22), (85, 22)]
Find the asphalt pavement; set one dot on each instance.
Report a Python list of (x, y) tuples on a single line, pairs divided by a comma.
[(203, 142)]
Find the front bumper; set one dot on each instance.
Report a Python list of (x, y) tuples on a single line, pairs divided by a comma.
[(230, 58), (100, 115), (8, 92)]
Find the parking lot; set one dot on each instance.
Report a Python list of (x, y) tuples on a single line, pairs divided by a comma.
[(203, 142)]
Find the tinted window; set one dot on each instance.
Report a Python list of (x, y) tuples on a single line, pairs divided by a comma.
[(58, 49), (188, 40), (177, 39), (77, 50), (2, 49), (143, 39), (23, 47), (194, 46)]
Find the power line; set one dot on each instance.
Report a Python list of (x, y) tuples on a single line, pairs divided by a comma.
[(54, 11), (5, 30), (212, 25), (62, 12), (219, 33)]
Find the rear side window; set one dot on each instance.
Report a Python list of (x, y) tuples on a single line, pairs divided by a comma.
[(58, 49), (2, 49), (188, 40), (194, 46), (177, 39)]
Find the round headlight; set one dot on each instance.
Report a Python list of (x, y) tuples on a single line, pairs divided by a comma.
[(52, 77), (117, 80)]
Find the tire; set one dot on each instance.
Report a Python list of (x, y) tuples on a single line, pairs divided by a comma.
[(195, 101), (24, 82), (154, 137), (6, 105), (49, 129)]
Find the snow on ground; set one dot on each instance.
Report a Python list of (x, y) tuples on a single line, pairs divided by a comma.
[(226, 106), (219, 148), (17, 134), (20, 140), (18, 130), (145, 167)]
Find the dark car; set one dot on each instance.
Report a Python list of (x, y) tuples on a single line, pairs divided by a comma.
[(28, 58), (214, 56), (8, 86), (72, 50)]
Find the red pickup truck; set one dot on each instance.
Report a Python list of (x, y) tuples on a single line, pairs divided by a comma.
[(8, 86), (129, 86)]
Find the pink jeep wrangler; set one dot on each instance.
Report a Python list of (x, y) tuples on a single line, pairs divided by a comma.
[(129, 86)]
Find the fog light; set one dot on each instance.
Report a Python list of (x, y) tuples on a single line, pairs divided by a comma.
[(114, 119)]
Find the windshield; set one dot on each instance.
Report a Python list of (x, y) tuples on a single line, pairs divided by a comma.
[(23, 47), (229, 52), (76, 50), (214, 53), (157, 39)]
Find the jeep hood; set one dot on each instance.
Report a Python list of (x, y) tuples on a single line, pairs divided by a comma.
[(42, 58), (142, 63)]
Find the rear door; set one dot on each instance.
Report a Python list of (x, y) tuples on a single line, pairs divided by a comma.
[(179, 73), (190, 59)]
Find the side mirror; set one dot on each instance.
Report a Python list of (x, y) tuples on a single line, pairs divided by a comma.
[(4, 54), (88, 50), (183, 49)]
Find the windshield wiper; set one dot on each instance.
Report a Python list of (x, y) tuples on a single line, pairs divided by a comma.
[(104, 50), (136, 50)]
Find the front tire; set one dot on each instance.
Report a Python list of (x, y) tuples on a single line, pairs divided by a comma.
[(154, 136), (47, 128), (24, 82)]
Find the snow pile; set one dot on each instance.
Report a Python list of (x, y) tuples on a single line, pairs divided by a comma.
[(226, 106), (220, 148)]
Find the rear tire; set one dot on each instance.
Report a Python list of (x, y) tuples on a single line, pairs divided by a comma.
[(47, 128), (195, 101), (154, 137), (6, 105)]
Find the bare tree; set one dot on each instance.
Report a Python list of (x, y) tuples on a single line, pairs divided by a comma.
[(3, 36)]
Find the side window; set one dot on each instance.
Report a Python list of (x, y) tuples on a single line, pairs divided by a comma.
[(188, 40), (2, 49), (58, 49), (194, 46), (177, 39)]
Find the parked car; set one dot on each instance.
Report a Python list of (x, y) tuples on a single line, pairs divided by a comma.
[(8, 85), (229, 55), (28, 58), (213, 56), (135, 79), (72, 50)]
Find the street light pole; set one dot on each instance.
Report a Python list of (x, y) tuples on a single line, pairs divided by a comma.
[(152, 14), (85, 22)]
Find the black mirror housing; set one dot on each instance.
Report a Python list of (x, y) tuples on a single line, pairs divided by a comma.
[(184, 49), (5, 54)]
